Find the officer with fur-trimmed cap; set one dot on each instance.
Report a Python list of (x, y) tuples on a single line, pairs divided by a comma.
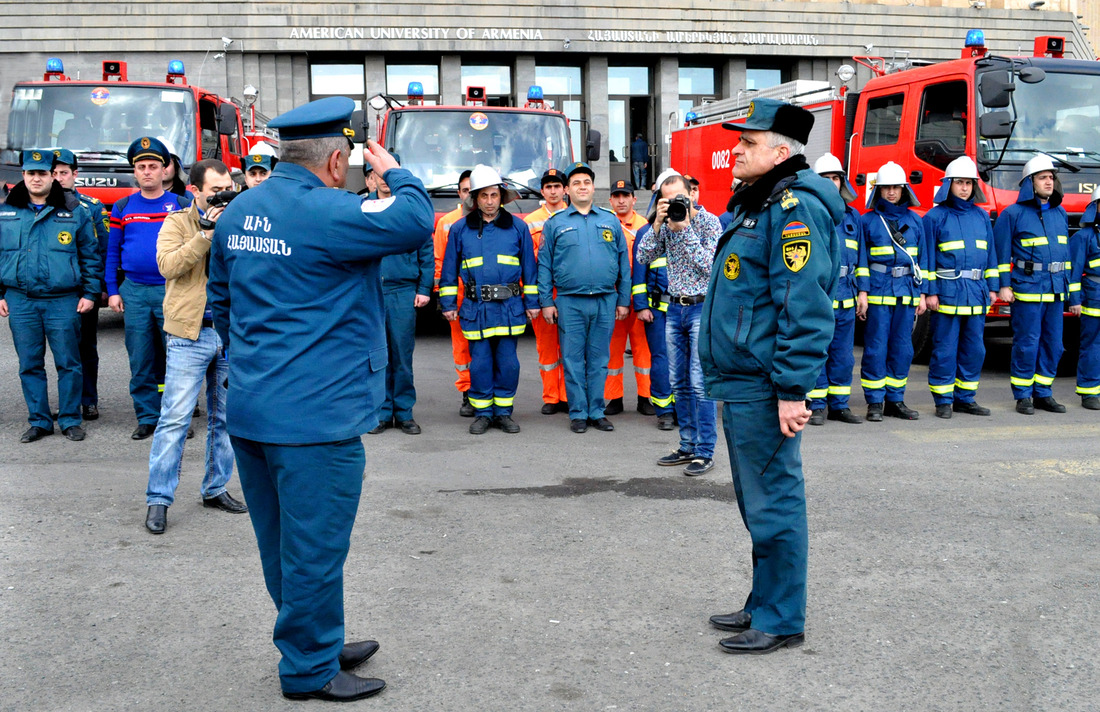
[(64, 173), (834, 385), (1033, 242)]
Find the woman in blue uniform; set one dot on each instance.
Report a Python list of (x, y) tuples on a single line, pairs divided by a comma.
[(961, 258), (891, 291)]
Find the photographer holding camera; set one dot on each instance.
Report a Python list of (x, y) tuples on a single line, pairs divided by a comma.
[(687, 236), (183, 249)]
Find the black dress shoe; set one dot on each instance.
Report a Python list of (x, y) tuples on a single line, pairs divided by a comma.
[(969, 407), (89, 412), (602, 424), (1090, 402), (35, 433), (844, 415), (226, 503), (156, 519), (736, 622), (143, 430), (874, 412), (380, 428), (898, 409), (755, 642), (578, 426), (666, 422), (355, 654), (345, 687), (1050, 405), (1024, 406), (563, 407), (466, 410), (943, 410), (505, 423), (480, 426), (549, 408), (645, 407), (74, 433), (190, 433), (613, 407), (409, 427), (817, 417)]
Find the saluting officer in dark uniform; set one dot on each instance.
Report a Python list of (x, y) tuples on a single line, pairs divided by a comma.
[(297, 301), (766, 327)]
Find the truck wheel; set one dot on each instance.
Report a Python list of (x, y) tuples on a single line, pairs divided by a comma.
[(922, 338)]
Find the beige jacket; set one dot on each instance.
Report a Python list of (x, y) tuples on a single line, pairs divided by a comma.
[(181, 257)]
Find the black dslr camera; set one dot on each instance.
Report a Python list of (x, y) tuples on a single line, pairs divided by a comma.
[(217, 200), (678, 208)]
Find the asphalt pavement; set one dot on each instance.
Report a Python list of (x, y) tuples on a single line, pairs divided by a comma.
[(954, 565)]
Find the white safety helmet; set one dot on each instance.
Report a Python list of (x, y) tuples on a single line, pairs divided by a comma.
[(1037, 165), (891, 173), (961, 167), (1095, 194), (483, 176), (263, 148), (830, 165)]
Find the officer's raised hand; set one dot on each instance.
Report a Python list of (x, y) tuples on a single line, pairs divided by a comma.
[(379, 158)]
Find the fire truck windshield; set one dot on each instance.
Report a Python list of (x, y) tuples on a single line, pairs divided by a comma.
[(98, 122), (1059, 115), (438, 144)]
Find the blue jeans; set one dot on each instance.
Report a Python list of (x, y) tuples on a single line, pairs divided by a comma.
[(638, 168), (144, 318), (698, 416), (33, 321), (189, 363), (400, 332)]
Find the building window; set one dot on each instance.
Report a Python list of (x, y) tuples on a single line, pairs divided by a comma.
[(497, 81), (696, 87), (763, 77), (883, 125), (328, 79), (628, 81), (561, 86), (398, 77)]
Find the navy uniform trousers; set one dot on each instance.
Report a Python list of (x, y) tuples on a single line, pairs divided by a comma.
[(958, 352), (302, 500), (767, 472), (835, 381), (887, 351), (585, 325), (1088, 360), (1036, 347), (400, 341), (494, 375), (660, 389)]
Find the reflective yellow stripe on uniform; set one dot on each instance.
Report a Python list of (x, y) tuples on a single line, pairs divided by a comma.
[(1090, 311), (1021, 382), (887, 250), (881, 383), (508, 260), (448, 291), (1044, 380), (840, 390), (817, 393), (846, 304), (1003, 269), (1075, 286), (1023, 297), (503, 402), (896, 382), (952, 245), (661, 402), (472, 262), (530, 289), (942, 390), (930, 275), (481, 404), (638, 289), (851, 244), (1033, 241), (1094, 263), (658, 263), (914, 251), (863, 272), (882, 301), (1088, 390), (966, 385), (991, 273), (982, 245), (1062, 239)]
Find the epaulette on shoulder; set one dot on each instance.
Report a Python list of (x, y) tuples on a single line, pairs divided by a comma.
[(788, 200), (606, 210)]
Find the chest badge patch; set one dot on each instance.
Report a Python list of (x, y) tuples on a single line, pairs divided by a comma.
[(732, 267), (796, 254), (795, 229), (64, 237), (608, 236)]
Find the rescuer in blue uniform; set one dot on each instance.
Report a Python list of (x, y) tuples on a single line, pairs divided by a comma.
[(1086, 259), (962, 281), (584, 256), (49, 276), (297, 301), (834, 384), (891, 290), (64, 172), (491, 251), (1033, 242), (650, 296), (765, 331)]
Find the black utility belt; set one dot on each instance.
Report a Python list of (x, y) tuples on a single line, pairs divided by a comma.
[(686, 300), (1028, 266), (659, 297), (493, 292)]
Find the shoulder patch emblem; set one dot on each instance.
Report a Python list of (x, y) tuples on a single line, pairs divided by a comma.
[(64, 237), (788, 200), (795, 229), (732, 267), (607, 235), (796, 254)]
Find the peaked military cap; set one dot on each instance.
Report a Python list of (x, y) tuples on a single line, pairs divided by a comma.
[(37, 159), (326, 117), (64, 155), (148, 148), (778, 116), (580, 167)]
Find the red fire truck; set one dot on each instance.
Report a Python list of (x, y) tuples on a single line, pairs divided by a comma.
[(98, 119), (1000, 111), (437, 143)]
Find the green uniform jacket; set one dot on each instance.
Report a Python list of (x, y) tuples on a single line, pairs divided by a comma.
[(768, 316)]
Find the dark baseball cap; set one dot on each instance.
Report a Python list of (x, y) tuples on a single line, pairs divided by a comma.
[(553, 176), (622, 186)]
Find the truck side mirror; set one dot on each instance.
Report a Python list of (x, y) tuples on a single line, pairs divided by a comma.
[(996, 89), (592, 146), (359, 126), (227, 119), (995, 124)]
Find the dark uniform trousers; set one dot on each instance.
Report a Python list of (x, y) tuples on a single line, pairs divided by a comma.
[(303, 500), (585, 325)]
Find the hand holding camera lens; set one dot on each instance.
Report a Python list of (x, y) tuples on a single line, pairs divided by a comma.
[(215, 204)]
